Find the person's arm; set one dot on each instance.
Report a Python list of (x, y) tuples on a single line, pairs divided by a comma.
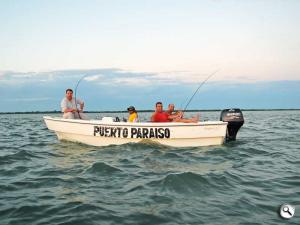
[(64, 107), (69, 110), (180, 114), (173, 116), (130, 118), (136, 118), (152, 117), (81, 104)]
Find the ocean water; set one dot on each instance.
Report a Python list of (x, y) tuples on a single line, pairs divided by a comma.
[(45, 181)]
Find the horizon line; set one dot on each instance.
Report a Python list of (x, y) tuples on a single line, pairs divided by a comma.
[(148, 110)]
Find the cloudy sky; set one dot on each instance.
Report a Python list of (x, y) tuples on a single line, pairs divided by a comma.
[(137, 52)]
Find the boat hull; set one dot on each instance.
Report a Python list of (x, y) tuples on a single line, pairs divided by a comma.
[(100, 133)]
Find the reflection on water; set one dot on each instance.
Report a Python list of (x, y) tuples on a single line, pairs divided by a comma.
[(70, 153)]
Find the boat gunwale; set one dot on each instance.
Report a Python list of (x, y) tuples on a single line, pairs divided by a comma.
[(139, 124)]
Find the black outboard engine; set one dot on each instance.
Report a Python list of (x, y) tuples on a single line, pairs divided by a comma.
[(235, 120)]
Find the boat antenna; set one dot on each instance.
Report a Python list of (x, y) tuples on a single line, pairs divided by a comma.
[(209, 76), (75, 92)]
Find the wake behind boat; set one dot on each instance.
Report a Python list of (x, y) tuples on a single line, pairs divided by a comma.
[(109, 132)]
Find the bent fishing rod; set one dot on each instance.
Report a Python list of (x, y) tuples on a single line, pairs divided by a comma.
[(75, 92), (210, 75)]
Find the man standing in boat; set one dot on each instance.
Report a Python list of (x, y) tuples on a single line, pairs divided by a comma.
[(69, 107)]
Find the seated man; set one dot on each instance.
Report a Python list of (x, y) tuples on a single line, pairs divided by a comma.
[(159, 115), (171, 114), (178, 116), (69, 107)]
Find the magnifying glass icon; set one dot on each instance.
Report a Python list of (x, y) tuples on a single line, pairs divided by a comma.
[(287, 210)]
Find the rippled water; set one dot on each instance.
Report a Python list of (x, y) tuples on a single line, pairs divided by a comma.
[(44, 181)]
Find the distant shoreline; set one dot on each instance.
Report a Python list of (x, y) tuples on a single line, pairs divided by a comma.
[(119, 111)]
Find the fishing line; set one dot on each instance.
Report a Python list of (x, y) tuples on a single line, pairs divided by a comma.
[(199, 88), (75, 92)]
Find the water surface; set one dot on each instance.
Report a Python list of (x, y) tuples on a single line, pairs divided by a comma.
[(45, 181)]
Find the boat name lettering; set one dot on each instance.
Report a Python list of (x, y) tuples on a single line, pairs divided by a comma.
[(133, 132)]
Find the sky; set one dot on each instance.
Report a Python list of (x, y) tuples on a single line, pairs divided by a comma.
[(137, 52)]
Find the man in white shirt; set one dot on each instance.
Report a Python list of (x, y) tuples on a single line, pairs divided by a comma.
[(69, 107)]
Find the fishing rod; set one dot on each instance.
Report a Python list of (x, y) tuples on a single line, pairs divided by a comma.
[(75, 92), (210, 75)]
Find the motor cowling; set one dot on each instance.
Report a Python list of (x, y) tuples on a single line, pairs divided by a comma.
[(235, 120)]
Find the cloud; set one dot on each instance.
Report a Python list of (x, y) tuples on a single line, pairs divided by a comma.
[(27, 99), (186, 77), (132, 81), (114, 76), (93, 77), (117, 92)]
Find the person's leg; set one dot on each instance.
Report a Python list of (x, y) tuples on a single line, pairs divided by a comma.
[(83, 116), (192, 120), (76, 116), (68, 115), (80, 116)]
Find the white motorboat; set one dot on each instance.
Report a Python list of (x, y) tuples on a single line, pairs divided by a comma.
[(108, 132)]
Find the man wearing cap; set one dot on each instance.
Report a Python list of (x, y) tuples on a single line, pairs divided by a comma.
[(133, 116)]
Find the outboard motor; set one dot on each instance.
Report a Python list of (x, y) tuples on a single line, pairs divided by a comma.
[(235, 120)]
